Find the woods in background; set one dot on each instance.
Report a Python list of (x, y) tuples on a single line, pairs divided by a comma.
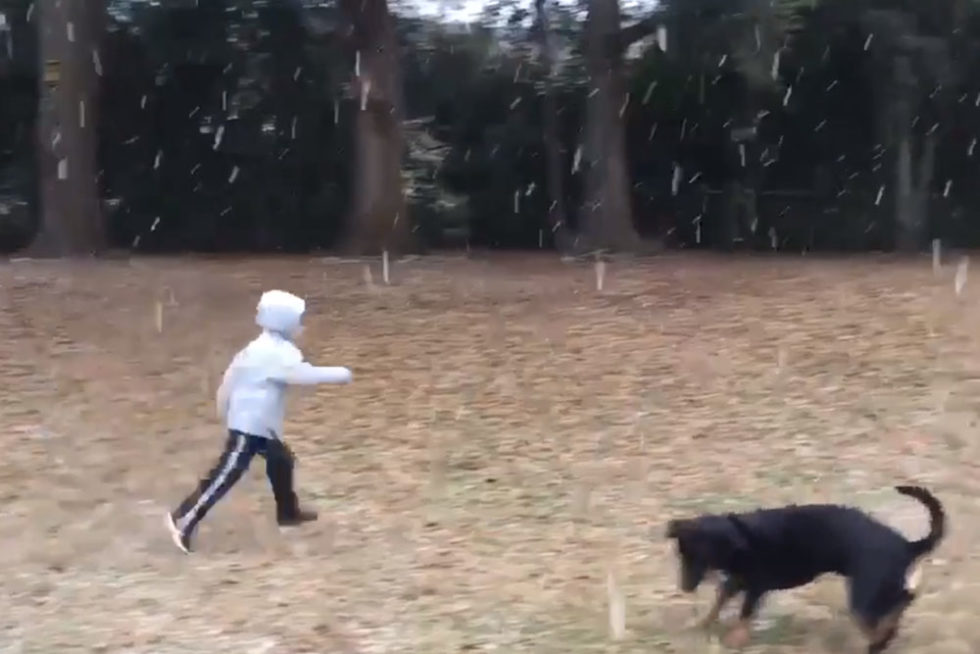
[(234, 125)]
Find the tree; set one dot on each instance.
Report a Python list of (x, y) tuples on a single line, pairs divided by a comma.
[(378, 217), (71, 220), (909, 66), (757, 37), (554, 171), (749, 38), (606, 219)]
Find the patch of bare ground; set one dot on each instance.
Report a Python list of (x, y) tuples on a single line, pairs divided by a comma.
[(513, 438)]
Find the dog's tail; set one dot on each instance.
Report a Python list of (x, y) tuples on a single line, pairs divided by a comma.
[(937, 520)]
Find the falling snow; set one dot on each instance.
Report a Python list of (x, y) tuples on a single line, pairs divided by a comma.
[(959, 282), (689, 128), (240, 117), (622, 108)]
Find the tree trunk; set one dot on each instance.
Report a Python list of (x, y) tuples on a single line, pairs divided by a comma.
[(554, 171), (607, 218), (378, 218), (71, 221), (732, 195), (905, 228), (927, 171), (912, 193), (912, 188)]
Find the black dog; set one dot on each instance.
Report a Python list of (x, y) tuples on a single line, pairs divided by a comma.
[(773, 549)]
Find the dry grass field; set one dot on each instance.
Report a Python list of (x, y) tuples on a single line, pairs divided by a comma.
[(514, 439)]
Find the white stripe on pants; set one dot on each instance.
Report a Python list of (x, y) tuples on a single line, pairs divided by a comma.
[(216, 483)]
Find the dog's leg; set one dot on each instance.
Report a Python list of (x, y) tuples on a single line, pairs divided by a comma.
[(881, 645), (879, 628), (728, 589), (741, 633), (883, 632)]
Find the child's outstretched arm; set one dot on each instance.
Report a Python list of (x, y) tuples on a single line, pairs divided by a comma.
[(292, 369), (307, 374)]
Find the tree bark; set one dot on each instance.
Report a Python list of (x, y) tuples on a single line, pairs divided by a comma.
[(554, 171), (912, 193), (378, 218), (71, 221), (607, 218), (912, 187)]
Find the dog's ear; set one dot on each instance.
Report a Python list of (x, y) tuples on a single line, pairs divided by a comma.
[(675, 527)]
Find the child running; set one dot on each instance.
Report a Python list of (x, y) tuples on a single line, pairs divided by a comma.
[(251, 399)]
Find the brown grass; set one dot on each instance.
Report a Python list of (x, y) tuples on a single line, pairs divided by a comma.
[(511, 439)]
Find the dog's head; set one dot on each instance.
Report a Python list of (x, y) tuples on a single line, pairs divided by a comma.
[(695, 549), (707, 543)]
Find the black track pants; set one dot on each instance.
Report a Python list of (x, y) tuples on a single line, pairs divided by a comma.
[(239, 451)]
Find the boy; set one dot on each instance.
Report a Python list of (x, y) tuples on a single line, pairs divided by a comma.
[(252, 400)]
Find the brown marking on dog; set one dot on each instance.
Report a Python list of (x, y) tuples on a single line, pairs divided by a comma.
[(880, 633), (724, 595)]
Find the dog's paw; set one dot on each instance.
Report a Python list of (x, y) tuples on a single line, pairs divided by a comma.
[(738, 637)]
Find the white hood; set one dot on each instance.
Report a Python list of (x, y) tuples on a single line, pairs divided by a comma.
[(281, 312)]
